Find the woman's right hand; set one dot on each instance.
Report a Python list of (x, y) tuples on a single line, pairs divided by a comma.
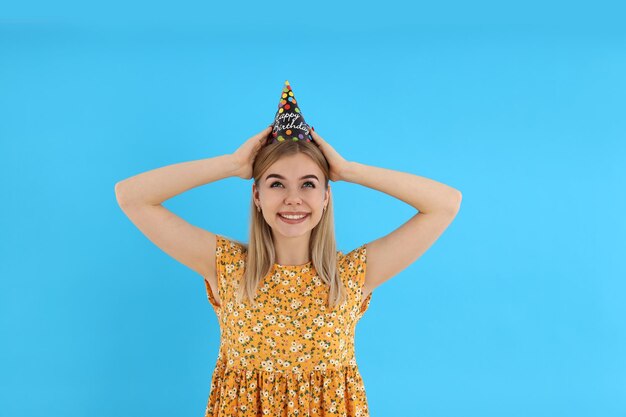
[(244, 156)]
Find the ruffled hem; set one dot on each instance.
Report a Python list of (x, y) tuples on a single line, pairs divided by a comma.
[(253, 392)]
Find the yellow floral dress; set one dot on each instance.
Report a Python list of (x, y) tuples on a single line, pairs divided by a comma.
[(292, 355)]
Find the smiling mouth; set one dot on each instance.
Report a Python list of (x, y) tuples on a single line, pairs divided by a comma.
[(294, 221)]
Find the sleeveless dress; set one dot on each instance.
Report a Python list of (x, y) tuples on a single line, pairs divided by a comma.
[(291, 355)]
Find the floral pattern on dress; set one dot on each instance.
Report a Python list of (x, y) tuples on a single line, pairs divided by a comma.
[(289, 354)]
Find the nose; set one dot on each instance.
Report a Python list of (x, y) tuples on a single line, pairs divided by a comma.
[(293, 197)]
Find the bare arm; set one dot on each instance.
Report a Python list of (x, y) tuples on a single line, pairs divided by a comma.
[(424, 194), (140, 198), (438, 205), (155, 186)]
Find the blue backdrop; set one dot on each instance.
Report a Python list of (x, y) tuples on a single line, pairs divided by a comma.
[(517, 310)]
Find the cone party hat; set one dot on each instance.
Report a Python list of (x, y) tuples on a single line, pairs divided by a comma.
[(289, 122)]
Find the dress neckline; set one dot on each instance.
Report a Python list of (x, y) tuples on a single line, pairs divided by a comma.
[(294, 266)]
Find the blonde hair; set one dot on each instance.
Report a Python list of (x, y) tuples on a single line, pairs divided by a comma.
[(261, 254)]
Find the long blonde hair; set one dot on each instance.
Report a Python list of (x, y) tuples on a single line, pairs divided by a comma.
[(261, 254)]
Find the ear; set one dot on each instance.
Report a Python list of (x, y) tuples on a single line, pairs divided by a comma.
[(327, 195), (255, 192)]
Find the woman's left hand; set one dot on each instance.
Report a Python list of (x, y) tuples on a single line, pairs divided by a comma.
[(337, 162)]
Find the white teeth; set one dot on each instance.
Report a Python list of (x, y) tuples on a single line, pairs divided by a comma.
[(287, 216)]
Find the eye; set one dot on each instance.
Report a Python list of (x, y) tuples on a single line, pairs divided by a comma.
[(278, 182)]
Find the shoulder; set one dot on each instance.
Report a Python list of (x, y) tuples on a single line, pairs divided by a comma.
[(230, 250), (356, 255), (227, 243), (352, 268), (352, 264)]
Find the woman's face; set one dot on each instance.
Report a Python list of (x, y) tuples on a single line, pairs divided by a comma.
[(282, 189)]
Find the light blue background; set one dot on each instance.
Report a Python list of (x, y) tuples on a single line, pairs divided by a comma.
[(517, 310)]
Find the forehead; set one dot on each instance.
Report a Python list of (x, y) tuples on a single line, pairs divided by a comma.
[(294, 166)]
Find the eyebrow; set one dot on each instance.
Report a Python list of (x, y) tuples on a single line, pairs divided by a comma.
[(283, 178)]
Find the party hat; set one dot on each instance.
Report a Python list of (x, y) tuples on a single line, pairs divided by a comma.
[(289, 122)]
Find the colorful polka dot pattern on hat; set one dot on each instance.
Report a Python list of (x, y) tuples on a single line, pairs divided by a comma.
[(289, 353), (289, 121)]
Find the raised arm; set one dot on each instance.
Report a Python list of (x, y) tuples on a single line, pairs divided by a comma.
[(155, 186), (437, 203), (140, 198)]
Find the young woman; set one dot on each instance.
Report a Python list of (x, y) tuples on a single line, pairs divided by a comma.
[(287, 302)]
